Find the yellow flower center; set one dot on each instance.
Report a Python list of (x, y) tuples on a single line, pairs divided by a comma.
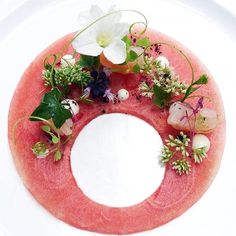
[(103, 39)]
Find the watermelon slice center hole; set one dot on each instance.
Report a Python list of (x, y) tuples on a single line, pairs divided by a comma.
[(115, 162)]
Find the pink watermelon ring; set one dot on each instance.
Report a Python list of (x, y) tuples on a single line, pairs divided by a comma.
[(54, 186)]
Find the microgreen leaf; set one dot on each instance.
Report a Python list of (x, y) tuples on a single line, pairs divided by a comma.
[(55, 139), (45, 128), (127, 41), (203, 79), (161, 97), (136, 68), (190, 90), (57, 155), (131, 56), (88, 61), (85, 100), (50, 107), (143, 42)]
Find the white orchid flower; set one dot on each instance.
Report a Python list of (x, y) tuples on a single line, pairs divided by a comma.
[(105, 36)]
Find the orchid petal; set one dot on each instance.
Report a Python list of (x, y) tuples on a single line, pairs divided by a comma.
[(109, 21), (116, 52), (87, 45), (116, 17), (87, 17), (119, 30), (84, 19), (96, 12), (91, 49)]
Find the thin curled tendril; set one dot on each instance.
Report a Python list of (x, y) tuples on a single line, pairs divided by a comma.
[(145, 22), (179, 51), (33, 117), (55, 59), (57, 56)]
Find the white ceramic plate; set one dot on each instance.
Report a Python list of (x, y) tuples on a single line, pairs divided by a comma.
[(204, 27)]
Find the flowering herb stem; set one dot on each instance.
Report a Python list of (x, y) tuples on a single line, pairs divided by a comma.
[(55, 57), (182, 53)]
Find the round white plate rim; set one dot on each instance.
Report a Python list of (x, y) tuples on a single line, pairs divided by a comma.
[(86, 234)]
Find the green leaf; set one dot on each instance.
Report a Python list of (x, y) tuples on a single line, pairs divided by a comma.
[(88, 61), (51, 107), (161, 97), (136, 68), (131, 56), (127, 41), (42, 112), (190, 90), (202, 80), (45, 128), (143, 42), (55, 139), (57, 155)]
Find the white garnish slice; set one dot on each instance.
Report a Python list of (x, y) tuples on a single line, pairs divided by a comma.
[(206, 120)]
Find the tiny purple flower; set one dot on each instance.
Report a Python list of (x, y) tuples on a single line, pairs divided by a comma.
[(109, 95), (86, 92)]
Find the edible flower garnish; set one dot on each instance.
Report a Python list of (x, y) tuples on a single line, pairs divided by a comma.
[(103, 37), (179, 149), (105, 46), (111, 97), (177, 145), (65, 76), (98, 86)]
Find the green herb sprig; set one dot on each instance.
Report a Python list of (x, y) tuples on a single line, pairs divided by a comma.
[(195, 85), (40, 149), (51, 108), (199, 154), (181, 166), (63, 77), (165, 82), (177, 145)]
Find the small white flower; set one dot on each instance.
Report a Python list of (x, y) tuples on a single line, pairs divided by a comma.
[(67, 60), (163, 61), (105, 36)]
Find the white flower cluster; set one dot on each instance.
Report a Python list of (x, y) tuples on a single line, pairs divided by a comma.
[(163, 75)]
